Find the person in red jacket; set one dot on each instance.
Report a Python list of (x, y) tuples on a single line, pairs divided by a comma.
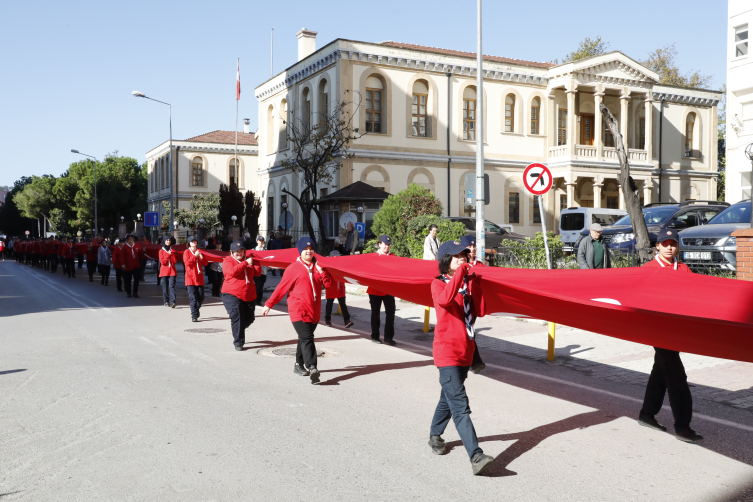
[(454, 342), (239, 291), (469, 242), (167, 271), (131, 266), (376, 298), (92, 250), (668, 374), (193, 263), (2, 248), (336, 292), (69, 258), (117, 262), (302, 282), (36, 250)]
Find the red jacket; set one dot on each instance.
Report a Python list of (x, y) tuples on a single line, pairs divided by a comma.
[(91, 252), (36, 248), (336, 290), (681, 267), (67, 251), (131, 257), (194, 268), (303, 285), (452, 345), (167, 262), (372, 290), (117, 257), (239, 278)]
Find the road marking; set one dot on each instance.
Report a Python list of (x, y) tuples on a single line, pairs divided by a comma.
[(66, 291), (147, 340)]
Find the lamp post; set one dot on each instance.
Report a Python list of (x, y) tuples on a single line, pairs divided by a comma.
[(95, 182), (172, 212), (749, 154), (480, 233)]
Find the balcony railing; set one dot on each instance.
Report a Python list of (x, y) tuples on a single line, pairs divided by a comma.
[(585, 151), (590, 152), (558, 151)]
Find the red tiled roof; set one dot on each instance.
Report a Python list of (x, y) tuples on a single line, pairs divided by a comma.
[(449, 52), (225, 137)]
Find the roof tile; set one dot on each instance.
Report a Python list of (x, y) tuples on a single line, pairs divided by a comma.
[(225, 137), (449, 52)]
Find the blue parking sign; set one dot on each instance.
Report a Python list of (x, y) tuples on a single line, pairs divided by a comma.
[(151, 219), (361, 229)]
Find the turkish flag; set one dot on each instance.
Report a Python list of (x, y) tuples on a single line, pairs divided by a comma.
[(238, 82)]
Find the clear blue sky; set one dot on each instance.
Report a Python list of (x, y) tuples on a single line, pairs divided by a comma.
[(68, 68)]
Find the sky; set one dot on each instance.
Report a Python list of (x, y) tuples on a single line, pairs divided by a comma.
[(67, 69)]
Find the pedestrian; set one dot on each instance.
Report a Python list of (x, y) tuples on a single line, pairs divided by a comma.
[(2, 248), (275, 243), (261, 280), (224, 241), (377, 298), (336, 292), (431, 244), (104, 258), (117, 262), (239, 292), (351, 239), (215, 269), (91, 258), (303, 285), (247, 242), (452, 293), (131, 266), (193, 264), (668, 374), (68, 256), (36, 250), (80, 257), (167, 271), (593, 251)]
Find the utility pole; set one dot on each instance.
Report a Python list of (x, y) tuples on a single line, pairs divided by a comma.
[(480, 233)]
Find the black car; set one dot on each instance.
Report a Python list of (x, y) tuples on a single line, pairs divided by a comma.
[(659, 216), (495, 234)]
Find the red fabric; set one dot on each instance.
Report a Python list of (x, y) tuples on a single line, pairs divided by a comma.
[(374, 291), (167, 263), (296, 283), (117, 257), (239, 278), (67, 251), (452, 346), (681, 267), (131, 257), (91, 252), (2, 245), (35, 248), (336, 290), (194, 267)]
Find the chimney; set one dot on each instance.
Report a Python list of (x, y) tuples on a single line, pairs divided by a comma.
[(306, 43), (246, 124)]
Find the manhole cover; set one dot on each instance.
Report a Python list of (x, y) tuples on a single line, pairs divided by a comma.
[(290, 352), (205, 330)]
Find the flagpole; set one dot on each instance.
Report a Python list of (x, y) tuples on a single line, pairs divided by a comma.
[(237, 99)]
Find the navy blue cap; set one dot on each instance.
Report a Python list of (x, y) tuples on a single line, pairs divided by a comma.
[(451, 248), (164, 239), (305, 242), (669, 234), (468, 240), (191, 238), (235, 246), (386, 239)]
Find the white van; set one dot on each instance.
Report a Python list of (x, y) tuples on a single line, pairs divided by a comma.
[(574, 220)]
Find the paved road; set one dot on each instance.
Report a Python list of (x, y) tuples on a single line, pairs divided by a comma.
[(108, 398)]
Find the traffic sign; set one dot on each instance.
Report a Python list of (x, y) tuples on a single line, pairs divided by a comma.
[(537, 178), (361, 229), (151, 219), (27, 232)]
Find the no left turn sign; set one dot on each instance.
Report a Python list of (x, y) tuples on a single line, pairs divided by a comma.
[(537, 178)]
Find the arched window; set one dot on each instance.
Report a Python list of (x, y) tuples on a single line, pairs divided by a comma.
[(689, 130), (374, 110), (306, 109), (510, 113), (323, 101), (419, 115), (535, 115), (469, 113), (282, 139), (270, 129), (233, 173), (197, 172)]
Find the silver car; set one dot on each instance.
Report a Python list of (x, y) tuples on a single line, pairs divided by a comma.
[(712, 245)]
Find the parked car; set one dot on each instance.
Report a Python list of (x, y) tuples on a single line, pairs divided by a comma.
[(659, 216), (712, 245), (574, 220), (495, 234)]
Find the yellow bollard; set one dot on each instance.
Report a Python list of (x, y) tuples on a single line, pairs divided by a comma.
[(550, 351), (426, 319), (339, 311)]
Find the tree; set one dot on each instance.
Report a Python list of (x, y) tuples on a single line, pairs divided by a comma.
[(12, 222), (201, 207), (253, 210), (231, 204), (586, 49), (662, 62), (397, 211), (37, 199), (316, 153)]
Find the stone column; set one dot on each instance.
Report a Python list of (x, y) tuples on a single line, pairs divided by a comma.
[(122, 231), (624, 112), (571, 122), (570, 194), (597, 194), (139, 229), (621, 203), (649, 128), (235, 232), (551, 122), (647, 191), (598, 125), (744, 253)]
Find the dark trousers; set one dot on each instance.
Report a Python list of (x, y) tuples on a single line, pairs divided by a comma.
[(668, 376), (45, 262), (119, 278), (343, 307), (453, 403), (104, 270), (217, 280), (71, 264), (131, 275), (389, 321), (241, 316), (259, 282), (195, 297), (168, 290), (80, 261), (305, 354), (53, 264), (91, 267)]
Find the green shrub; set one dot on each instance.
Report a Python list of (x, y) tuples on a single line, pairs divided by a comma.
[(418, 229), (531, 253)]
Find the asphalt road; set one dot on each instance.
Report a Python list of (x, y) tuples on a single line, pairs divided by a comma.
[(108, 398)]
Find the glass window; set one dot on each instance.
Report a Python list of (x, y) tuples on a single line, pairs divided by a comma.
[(374, 110), (270, 214), (707, 214), (604, 219), (491, 228), (197, 172), (232, 173), (510, 113), (469, 223), (418, 109), (561, 127), (741, 41), (739, 213), (608, 138), (652, 215), (513, 211), (613, 202), (572, 221), (536, 212), (690, 218), (535, 107), (563, 202), (469, 119), (689, 124)]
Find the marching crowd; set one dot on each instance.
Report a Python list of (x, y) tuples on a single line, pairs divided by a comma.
[(455, 294)]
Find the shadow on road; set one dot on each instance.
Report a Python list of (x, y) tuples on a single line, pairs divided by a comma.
[(11, 371), (371, 369)]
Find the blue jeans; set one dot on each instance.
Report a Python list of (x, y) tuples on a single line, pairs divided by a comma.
[(168, 289), (195, 299), (453, 402)]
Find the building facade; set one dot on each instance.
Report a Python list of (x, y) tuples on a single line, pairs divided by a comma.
[(418, 106), (739, 101), (200, 165)]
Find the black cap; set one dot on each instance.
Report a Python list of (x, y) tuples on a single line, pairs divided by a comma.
[(386, 239), (468, 240), (451, 248), (236, 246), (669, 234)]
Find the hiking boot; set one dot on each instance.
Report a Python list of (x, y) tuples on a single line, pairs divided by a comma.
[(480, 463), (651, 423), (688, 435), (314, 375), (437, 445), (300, 370), (478, 368)]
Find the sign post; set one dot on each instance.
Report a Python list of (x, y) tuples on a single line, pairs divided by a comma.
[(537, 179)]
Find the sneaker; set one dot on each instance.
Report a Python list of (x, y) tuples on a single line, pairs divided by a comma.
[(349, 324), (237, 347), (328, 323), (135, 295), (437, 445), (390, 342), (376, 340), (167, 304), (478, 368), (172, 306), (314, 375), (193, 319), (688, 435), (480, 463), (651, 423), (300, 370)]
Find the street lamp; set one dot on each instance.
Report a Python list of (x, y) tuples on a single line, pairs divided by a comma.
[(749, 154), (95, 182), (122, 218), (285, 212), (138, 216), (142, 95)]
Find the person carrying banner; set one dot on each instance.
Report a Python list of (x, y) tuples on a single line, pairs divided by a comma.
[(668, 374), (69, 257), (104, 260), (377, 298), (167, 271), (117, 262), (193, 263), (261, 280), (91, 258), (302, 283), (131, 266), (469, 242), (239, 291), (336, 292)]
